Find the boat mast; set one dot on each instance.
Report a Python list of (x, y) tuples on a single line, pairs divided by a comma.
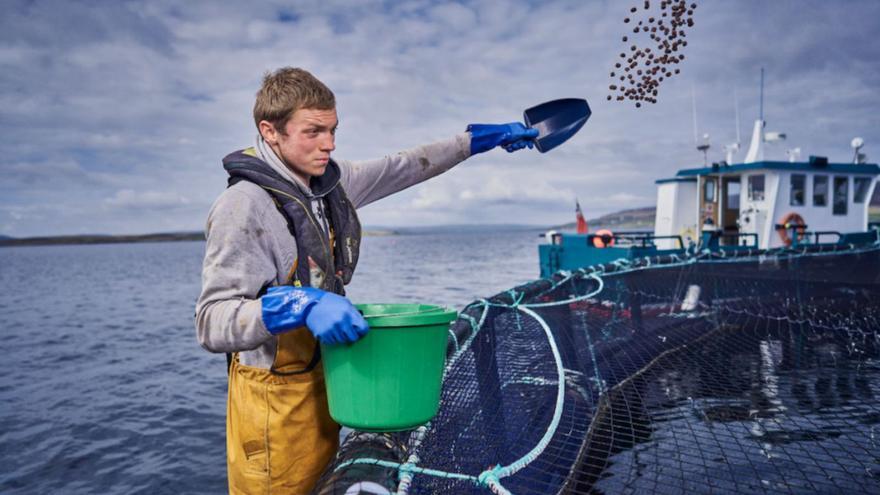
[(762, 95), (756, 147), (732, 148)]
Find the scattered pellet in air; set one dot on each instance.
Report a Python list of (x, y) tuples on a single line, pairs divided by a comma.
[(665, 29)]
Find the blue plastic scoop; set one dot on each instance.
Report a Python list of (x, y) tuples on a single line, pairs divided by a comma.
[(556, 121)]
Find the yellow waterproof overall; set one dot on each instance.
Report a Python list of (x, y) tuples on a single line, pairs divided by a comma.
[(279, 434)]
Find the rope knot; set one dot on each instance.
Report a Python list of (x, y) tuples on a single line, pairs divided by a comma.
[(490, 476), (409, 467), (515, 297)]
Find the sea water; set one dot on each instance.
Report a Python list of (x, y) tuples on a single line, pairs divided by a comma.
[(105, 388)]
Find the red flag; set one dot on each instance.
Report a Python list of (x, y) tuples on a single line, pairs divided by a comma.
[(581, 222)]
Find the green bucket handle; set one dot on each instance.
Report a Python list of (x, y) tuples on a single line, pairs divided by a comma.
[(435, 309)]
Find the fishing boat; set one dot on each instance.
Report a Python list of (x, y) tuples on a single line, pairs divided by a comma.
[(756, 204)]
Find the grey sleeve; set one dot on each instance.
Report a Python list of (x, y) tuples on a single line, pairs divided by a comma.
[(371, 180), (238, 264)]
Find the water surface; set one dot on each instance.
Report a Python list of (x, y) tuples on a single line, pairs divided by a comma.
[(106, 389)]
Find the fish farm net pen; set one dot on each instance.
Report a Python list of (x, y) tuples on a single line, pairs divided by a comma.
[(739, 372)]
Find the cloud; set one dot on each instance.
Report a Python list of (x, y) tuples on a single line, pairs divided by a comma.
[(153, 200), (43, 174), (121, 111), (467, 193), (627, 199)]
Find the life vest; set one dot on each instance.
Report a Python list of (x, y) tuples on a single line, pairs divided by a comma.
[(279, 433), (336, 259)]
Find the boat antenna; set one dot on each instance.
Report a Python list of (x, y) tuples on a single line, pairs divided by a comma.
[(732, 148), (857, 143), (755, 152), (736, 115), (694, 110), (761, 107)]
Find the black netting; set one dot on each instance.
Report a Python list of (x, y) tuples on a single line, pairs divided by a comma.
[(753, 372)]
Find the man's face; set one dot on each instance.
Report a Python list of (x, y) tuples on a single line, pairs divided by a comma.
[(305, 146)]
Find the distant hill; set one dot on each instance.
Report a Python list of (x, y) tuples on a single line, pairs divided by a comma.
[(117, 239), (102, 239), (632, 219)]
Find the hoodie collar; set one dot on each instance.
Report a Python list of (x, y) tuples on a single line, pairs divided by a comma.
[(318, 187)]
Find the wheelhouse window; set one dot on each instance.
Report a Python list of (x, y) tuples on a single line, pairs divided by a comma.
[(733, 195), (798, 189), (860, 189), (841, 195), (709, 191), (756, 187), (820, 190)]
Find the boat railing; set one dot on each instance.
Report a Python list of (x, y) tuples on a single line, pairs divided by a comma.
[(732, 240), (821, 237), (871, 236), (817, 236), (642, 239), (676, 238), (746, 239)]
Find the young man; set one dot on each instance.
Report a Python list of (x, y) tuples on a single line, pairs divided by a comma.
[(282, 241)]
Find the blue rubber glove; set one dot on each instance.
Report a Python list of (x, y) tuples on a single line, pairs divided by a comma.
[(331, 318), (513, 136)]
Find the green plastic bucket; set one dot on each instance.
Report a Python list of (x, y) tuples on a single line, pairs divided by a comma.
[(390, 379)]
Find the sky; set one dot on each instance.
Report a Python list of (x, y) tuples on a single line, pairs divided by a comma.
[(114, 115)]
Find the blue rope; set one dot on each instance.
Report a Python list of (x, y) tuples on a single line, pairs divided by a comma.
[(412, 469), (406, 470), (467, 343), (594, 276), (501, 472), (491, 478), (452, 336)]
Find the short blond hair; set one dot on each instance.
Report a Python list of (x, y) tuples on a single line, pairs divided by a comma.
[(287, 90)]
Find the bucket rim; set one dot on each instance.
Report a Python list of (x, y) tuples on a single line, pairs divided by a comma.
[(406, 314)]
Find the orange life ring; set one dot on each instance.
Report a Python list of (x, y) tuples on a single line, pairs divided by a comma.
[(790, 220), (603, 238)]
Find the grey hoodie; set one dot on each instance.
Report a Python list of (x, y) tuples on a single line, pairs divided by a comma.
[(249, 245)]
